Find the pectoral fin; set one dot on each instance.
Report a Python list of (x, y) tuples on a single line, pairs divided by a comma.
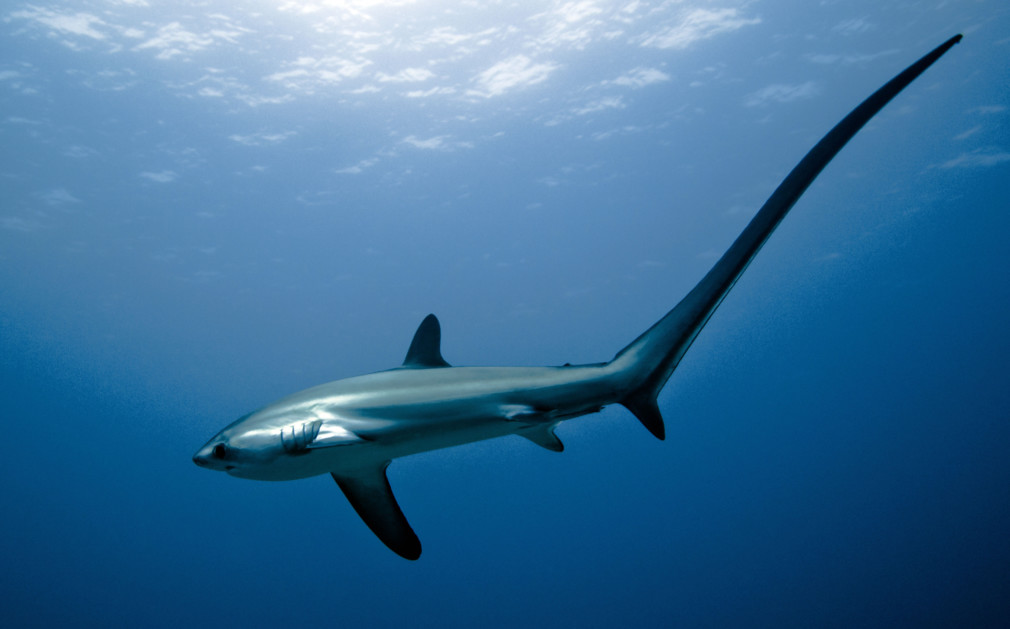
[(371, 496), (332, 434)]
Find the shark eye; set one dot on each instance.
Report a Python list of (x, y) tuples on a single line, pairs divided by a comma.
[(219, 451)]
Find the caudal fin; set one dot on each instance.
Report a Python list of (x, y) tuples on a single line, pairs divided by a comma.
[(650, 359)]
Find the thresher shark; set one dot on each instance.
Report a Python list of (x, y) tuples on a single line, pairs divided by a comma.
[(353, 428)]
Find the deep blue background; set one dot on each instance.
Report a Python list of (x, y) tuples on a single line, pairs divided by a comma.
[(197, 219)]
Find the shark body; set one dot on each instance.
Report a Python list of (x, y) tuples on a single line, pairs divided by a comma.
[(353, 428)]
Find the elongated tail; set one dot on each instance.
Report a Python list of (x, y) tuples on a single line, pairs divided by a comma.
[(650, 359)]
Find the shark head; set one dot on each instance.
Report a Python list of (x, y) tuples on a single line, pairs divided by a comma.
[(244, 449), (279, 442), (218, 455)]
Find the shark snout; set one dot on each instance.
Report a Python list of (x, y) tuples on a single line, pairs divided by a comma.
[(212, 457), (202, 457)]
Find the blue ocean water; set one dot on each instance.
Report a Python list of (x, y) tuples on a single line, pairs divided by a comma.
[(209, 206)]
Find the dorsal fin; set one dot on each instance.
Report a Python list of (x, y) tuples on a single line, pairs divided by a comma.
[(424, 350)]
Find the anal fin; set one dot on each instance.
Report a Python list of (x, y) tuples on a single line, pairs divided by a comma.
[(543, 435), (371, 496)]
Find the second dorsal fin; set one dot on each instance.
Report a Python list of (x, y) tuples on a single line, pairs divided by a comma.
[(424, 350)]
